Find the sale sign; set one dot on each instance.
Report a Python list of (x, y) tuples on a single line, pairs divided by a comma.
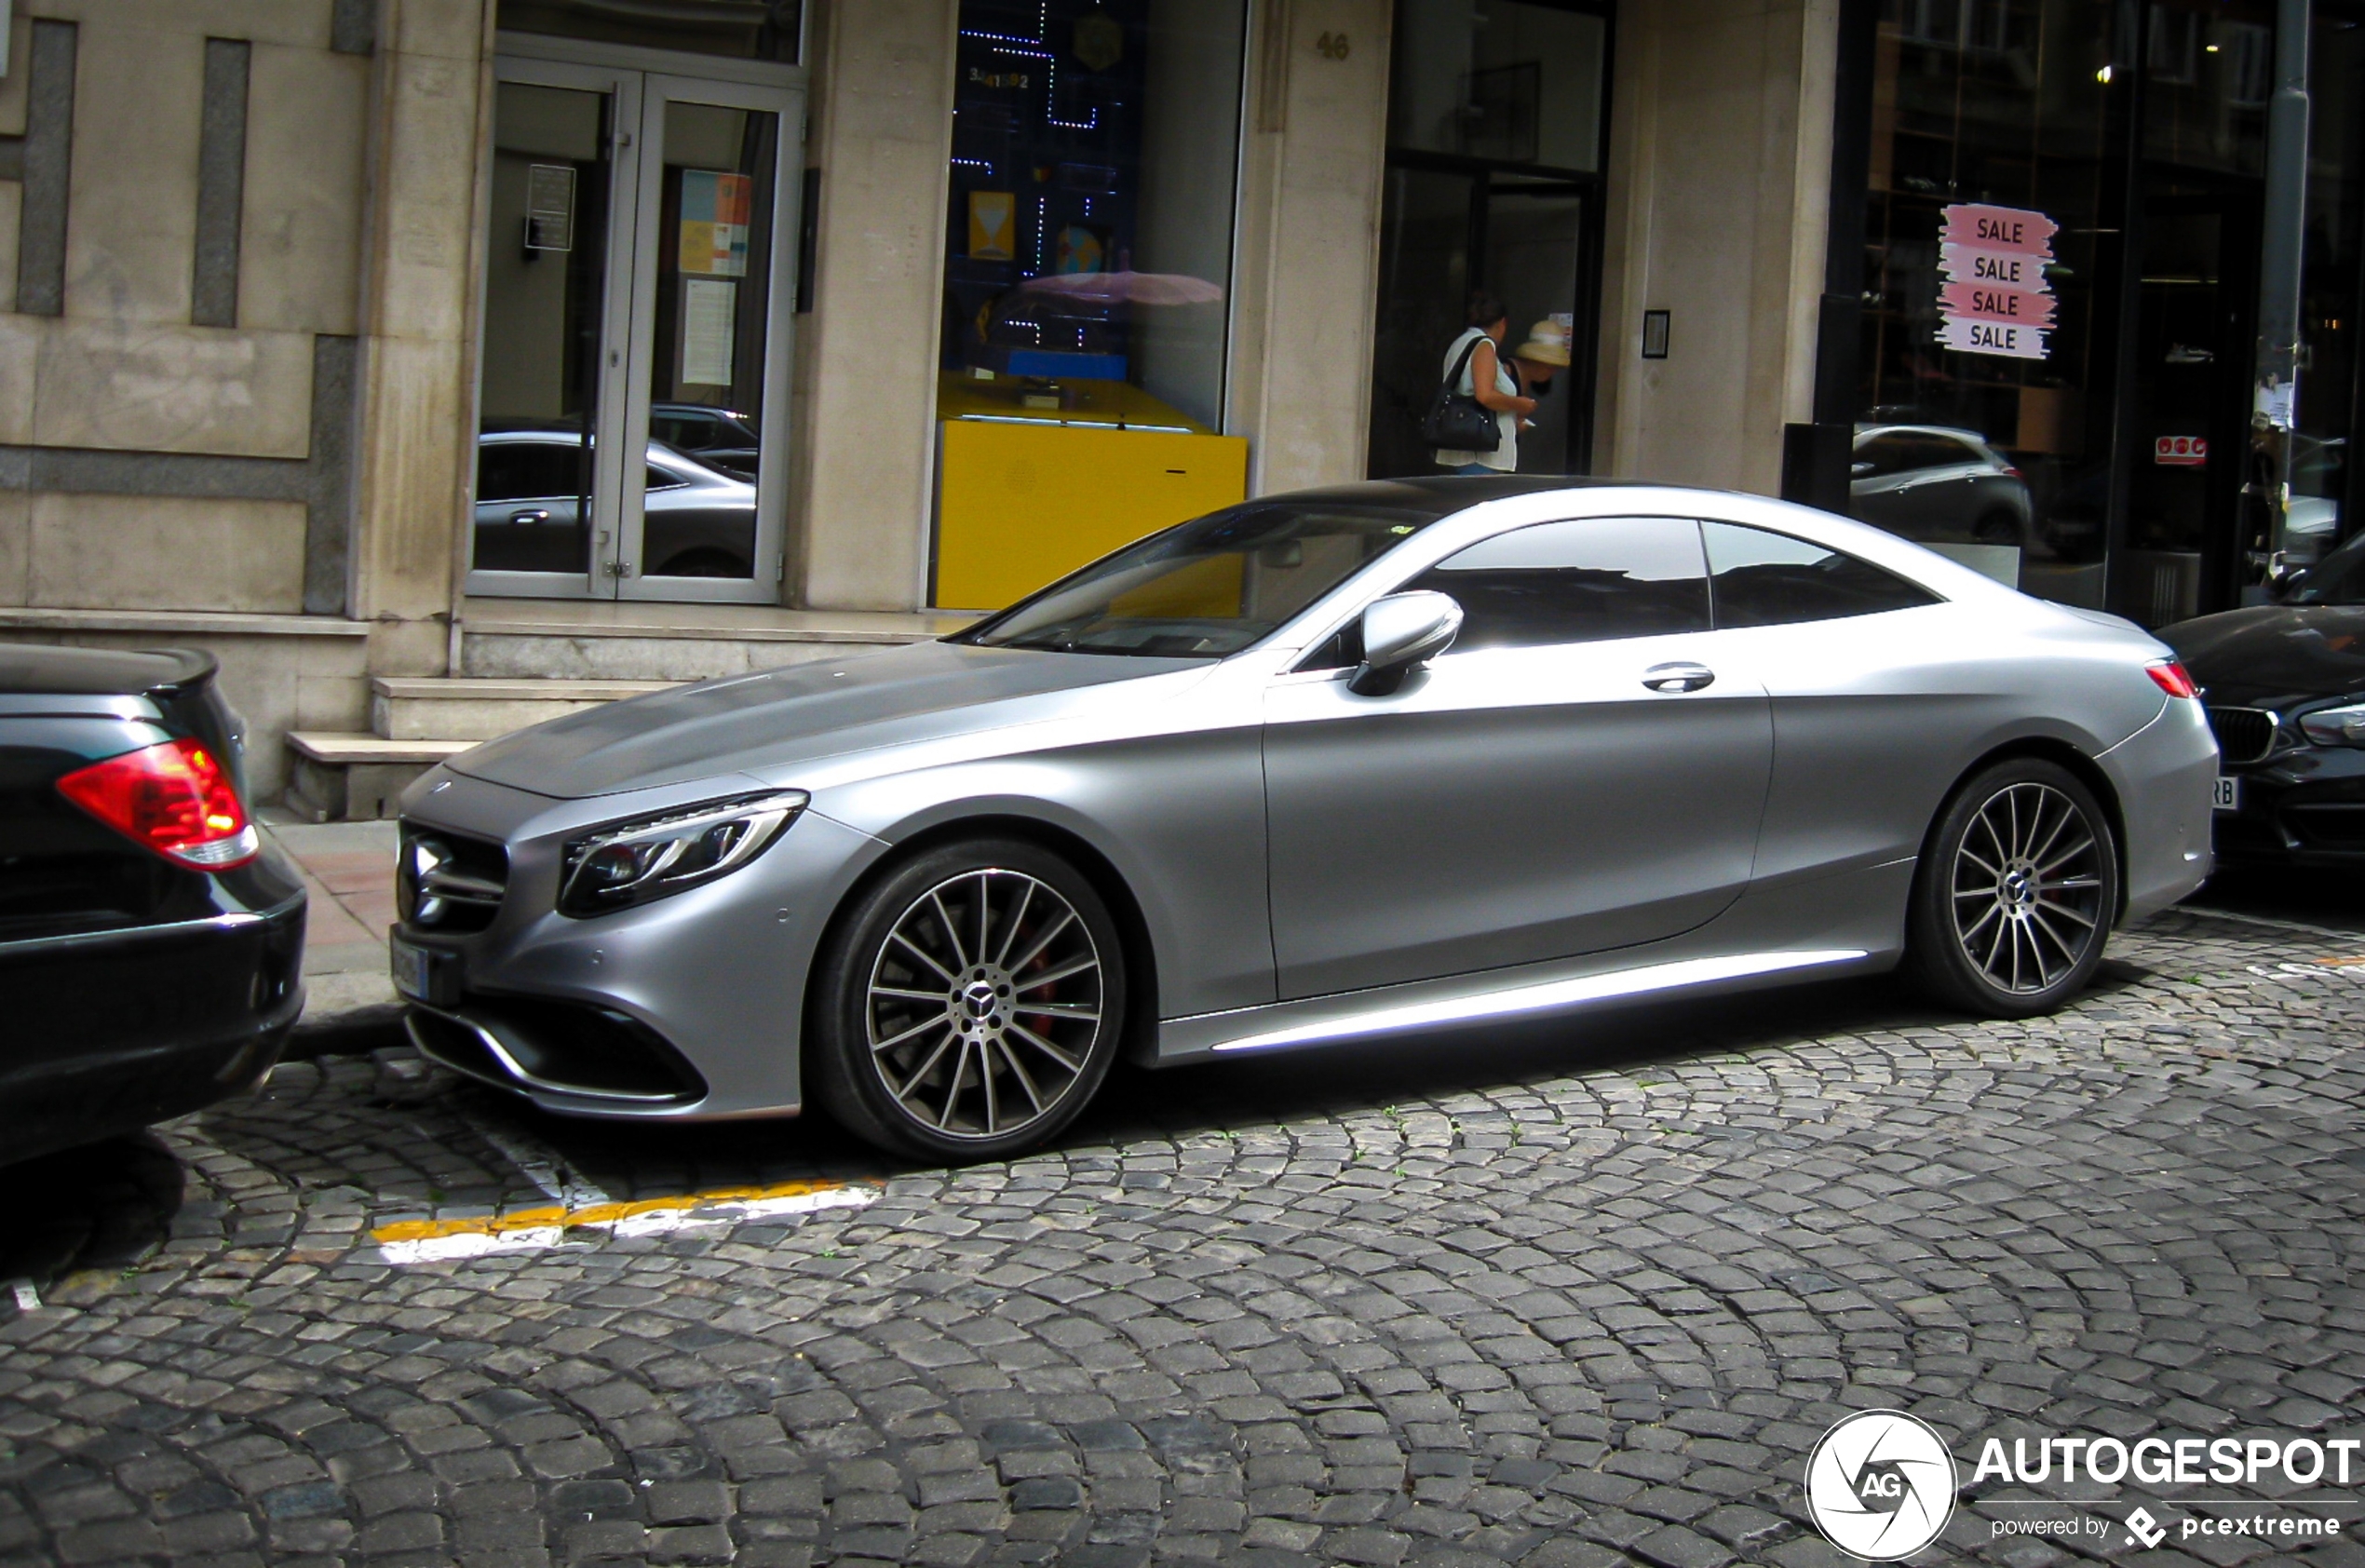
[(1996, 298), (1984, 302)]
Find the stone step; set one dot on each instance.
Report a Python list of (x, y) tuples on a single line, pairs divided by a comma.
[(479, 709), (341, 777)]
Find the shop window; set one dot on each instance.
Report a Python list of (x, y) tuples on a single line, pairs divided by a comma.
[(1088, 265), (2085, 413), (1088, 285), (739, 29)]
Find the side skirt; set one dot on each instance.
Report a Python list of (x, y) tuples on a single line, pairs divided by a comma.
[(1828, 926)]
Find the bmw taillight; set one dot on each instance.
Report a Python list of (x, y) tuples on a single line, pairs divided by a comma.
[(172, 797), (2169, 677)]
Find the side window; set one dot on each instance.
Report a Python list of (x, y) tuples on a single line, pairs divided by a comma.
[(1762, 578), (657, 478), (525, 471), (685, 432), (1581, 581), (1883, 455)]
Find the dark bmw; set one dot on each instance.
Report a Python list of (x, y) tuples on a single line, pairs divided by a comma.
[(150, 950), (2285, 688)]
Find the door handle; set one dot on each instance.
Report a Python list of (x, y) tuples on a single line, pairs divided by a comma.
[(530, 516), (1678, 677)]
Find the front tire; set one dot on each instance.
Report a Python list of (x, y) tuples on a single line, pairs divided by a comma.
[(969, 1004), (2016, 892)]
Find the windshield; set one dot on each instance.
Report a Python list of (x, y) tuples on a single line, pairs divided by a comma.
[(2339, 578), (1207, 588)]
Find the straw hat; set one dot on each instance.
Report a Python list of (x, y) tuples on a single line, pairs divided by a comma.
[(1547, 343)]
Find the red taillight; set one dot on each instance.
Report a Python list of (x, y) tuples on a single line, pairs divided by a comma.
[(2169, 677), (172, 797), (2010, 472)]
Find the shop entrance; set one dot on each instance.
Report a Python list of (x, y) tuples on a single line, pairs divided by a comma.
[(1495, 141), (1445, 231), (635, 350), (2188, 416)]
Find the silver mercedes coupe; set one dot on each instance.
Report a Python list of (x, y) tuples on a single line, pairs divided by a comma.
[(1364, 761)]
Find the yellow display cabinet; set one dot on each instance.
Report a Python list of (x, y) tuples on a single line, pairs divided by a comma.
[(1027, 493)]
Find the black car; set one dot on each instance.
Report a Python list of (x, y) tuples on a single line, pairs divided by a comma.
[(2285, 688), (151, 951)]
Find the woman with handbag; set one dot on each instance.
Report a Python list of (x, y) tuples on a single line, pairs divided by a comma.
[(1474, 423)]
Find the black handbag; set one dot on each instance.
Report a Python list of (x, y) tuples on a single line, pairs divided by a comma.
[(1458, 421)]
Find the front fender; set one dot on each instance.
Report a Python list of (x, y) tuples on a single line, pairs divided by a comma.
[(1179, 817)]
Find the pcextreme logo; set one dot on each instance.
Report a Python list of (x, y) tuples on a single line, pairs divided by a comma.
[(1880, 1485)]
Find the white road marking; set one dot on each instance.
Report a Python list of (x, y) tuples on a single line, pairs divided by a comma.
[(544, 1226)]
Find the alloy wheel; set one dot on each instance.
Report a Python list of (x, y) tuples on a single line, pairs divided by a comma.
[(984, 1005), (2028, 889)]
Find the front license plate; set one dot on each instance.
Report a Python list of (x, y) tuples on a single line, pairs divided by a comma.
[(2227, 794), (421, 974)]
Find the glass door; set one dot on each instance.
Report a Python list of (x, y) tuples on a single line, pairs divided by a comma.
[(708, 358), (549, 400), (634, 366)]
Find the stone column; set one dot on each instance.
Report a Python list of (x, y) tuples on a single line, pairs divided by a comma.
[(431, 97), (1718, 185), (1308, 272), (882, 130)]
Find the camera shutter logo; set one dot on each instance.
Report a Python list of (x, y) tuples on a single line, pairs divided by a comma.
[(1880, 1485)]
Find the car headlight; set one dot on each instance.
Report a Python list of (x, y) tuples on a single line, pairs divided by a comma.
[(634, 862), (2335, 727)]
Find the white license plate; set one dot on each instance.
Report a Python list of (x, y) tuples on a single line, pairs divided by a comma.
[(2227, 794), (411, 967)]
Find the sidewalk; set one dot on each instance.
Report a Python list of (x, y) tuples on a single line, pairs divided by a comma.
[(349, 869)]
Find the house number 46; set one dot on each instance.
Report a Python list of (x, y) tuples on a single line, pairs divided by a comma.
[(1331, 46)]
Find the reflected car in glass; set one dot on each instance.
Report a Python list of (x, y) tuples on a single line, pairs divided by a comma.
[(533, 491), (1938, 485), (719, 438), (1323, 766), (2284, 684)]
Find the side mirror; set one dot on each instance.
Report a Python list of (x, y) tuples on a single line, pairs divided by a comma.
[(1401, 632)]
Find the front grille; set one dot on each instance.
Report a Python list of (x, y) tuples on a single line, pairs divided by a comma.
[(2244, 735), (447, 882)]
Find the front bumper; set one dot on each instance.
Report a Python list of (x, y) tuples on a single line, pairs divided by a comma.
[(2304, 806), (688, 1008)]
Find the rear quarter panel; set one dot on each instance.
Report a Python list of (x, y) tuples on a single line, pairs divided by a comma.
[(1876, 718)]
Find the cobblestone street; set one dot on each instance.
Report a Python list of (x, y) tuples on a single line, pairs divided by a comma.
[(1578, 1294)]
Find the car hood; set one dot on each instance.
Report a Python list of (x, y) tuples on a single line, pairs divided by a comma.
[(2273, 656), (925, 691)]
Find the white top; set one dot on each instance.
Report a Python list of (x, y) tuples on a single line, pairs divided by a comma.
[(1506, 456)]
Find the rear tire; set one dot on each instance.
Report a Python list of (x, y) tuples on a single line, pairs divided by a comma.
[(2016, 892), (969, 1003), (1997, 528)]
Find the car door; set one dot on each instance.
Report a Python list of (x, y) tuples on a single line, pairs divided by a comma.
[(1582, 770)]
